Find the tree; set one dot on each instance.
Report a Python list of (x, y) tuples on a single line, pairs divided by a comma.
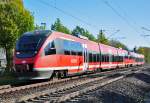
[(38, 27), (117, 44), (78, 30), (141, 50), (58, 26), (101, 38), (146, 52), (15, 10), (14, 20), (83, 32), (8, 36), (135, 49)]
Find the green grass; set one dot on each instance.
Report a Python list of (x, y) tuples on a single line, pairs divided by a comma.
[(8, 78)]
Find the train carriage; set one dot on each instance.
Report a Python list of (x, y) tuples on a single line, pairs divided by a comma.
[(44, 54)]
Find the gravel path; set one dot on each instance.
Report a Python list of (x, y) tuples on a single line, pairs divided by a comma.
[(132, 89)]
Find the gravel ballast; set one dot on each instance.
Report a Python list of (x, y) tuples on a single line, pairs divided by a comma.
[(132, 89)]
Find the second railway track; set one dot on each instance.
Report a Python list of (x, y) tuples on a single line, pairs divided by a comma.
[(62, 90)]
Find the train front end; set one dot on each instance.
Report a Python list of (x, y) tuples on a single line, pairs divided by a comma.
[(27, 53)]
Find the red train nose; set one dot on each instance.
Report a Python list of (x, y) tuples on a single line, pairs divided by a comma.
[(24, 67)]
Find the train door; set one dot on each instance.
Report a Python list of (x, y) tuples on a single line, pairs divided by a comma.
[(110, 58), (85, 57)]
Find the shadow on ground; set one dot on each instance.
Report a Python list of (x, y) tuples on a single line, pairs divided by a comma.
[(107, 97), (143, 77)]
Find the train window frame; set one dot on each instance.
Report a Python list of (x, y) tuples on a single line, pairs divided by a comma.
[(50, 49), (75, 48)]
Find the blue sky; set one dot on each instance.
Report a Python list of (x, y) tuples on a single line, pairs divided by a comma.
[(128, 16)]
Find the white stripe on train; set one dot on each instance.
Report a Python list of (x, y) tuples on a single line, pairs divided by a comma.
[(76, 67)]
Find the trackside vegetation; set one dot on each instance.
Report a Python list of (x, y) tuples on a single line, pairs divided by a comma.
[(14, 20)]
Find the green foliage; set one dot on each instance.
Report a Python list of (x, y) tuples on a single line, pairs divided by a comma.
[(118, 44), (15, 10), (8, 32), (83, 32), (102, 39), (146, 52), (14, 20), (38, 27), (58, 26)]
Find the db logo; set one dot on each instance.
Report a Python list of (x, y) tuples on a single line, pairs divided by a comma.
[(73, 60)]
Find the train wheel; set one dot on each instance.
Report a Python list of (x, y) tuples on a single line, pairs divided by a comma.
[(61, 74), (65, 73), (117, 67), (56, 75), (99, 69)]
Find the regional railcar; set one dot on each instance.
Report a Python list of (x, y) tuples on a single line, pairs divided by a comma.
[(44, 54)]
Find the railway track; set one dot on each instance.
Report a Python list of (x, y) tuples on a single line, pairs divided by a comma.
[(5, 87), (64, 94), (64, 89)]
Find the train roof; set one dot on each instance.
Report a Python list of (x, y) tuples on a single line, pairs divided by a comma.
[(74, 38), (136, 55), (38, 32), (91, 44)]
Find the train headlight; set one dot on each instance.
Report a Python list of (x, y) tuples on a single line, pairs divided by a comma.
[(35, 52), (17, 52)]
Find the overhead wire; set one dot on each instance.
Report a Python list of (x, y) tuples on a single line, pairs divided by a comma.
[(68, 14), (122, 17)]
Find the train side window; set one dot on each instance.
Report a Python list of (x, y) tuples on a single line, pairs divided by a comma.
[(108, 58), (75, 48), (113, 58), (80, 53), (119, 59), (90, 57), (103, 58), (98, 59), (73, 53), (50, 49), (94, 57), (67, 52), (116, 58)]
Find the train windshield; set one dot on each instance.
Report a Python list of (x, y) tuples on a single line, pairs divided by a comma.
[(28, 45)]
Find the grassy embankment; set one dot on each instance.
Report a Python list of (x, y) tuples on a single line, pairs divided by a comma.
[(8, 78)]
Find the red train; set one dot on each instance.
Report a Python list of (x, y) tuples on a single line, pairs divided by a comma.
[(44, 54)]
